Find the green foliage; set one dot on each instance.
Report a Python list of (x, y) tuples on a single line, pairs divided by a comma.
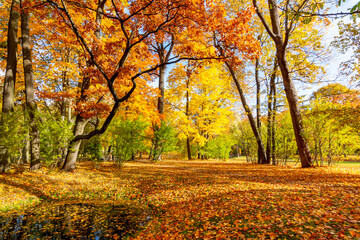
[(165, 140), (93, 148), (55, 135), (285, 138), (128, 138), (12, 132), (244, 137), (219, 147)]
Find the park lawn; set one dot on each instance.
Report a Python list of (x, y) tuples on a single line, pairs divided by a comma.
[(206, 199)]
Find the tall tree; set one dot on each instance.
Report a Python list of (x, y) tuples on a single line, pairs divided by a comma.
[(281, 40), (163, 50), (261, 149), (10, 76), (81, 121), (29, 89), (11, 60)]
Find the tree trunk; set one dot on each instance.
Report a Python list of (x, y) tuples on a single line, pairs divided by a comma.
[(258, 123), (271, 112), (26, 150), (187, 113), (73, 150), (250, 116), (295, 113), (10, 77), (29, 92), (162, 89), (273, 130), (11, 61), (269, 123), (188, 148)]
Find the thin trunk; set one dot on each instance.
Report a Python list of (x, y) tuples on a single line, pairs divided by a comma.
[(29, 92), (162, 89), (269, 123), (80, 122), (250, 116), (258, 123), (187, 113), (271, 112), (273, 130)]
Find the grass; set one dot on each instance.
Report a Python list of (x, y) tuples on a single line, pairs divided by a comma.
[(207, 199)]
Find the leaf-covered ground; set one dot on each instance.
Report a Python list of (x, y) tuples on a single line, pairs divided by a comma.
[(207, 199)]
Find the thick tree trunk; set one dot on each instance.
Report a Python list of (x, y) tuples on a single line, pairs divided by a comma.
[(11, 62), (188, 148), (162, 89), (10, 76), (295, 113), (29, 92), (73, 150), (250, 116)]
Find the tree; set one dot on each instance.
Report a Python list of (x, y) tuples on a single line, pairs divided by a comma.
[(11, 60), (29, 88), (10, 76), (281, 40), (201, 99)]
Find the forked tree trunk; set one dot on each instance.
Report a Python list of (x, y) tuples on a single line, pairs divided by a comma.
[(29, 92), (281, 43), (249, 115), (163, 52)]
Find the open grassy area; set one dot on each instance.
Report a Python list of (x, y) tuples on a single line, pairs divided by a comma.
[(206, 199)]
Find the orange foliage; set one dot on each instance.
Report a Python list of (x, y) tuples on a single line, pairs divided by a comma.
[(211, 199)]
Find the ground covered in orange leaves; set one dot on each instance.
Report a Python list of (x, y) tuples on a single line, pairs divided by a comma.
[(206, 199)]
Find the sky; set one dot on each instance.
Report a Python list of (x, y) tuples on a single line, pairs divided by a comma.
[(332, 68)]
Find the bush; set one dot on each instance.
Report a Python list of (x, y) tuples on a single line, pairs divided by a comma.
[(164, 140), (93, 148), (128, 138), (12, 137), (55, 134), (219, 147)]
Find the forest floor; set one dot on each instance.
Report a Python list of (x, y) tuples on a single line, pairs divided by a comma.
[(205, 199)]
